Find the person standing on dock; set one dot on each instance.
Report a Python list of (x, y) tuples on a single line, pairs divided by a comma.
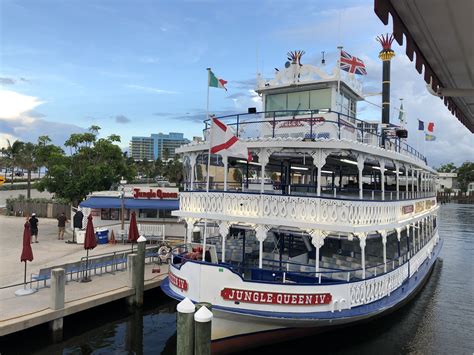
[(34, 227), (62, 219)]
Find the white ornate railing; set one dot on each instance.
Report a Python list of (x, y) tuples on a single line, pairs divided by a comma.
[(302, 209), (364, 292), (424, 253)]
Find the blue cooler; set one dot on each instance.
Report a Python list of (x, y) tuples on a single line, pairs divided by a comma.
[(102, 236)]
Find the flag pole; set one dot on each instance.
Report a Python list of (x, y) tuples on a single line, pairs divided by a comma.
[(209, 135), (339, 79)]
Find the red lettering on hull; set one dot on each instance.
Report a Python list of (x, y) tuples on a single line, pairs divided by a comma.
[(297, 299), (178, 282)]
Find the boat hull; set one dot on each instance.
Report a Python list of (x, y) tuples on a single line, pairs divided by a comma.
[(235, 330)]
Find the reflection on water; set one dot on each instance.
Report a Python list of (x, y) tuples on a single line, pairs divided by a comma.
[(440, 320)]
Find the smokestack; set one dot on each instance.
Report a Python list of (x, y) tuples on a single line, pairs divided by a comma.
[(386, 54)]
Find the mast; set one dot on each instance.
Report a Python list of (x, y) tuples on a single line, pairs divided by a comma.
[(386, 54)]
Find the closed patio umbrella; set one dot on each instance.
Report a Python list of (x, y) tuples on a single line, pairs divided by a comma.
[(133, 231), (90, 242), (26, 255)]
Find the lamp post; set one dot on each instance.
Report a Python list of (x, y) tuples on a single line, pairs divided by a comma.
[(122, 197)]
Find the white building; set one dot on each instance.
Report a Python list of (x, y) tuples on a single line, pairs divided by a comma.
[(447, 181)]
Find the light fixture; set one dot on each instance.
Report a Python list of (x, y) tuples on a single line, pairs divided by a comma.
[(326, 172), (349, 161), (250, 162), (298, 168)]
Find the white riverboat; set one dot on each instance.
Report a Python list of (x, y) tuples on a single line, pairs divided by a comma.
[(331, 224)]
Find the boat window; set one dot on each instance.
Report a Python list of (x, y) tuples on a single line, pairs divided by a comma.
[(298, 100), (275, 102), (320, 99)]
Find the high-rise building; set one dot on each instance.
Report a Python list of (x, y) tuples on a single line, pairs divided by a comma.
[(141, 148), (157, 146), (164, 145)]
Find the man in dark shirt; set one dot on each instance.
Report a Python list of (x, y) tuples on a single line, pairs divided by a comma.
[(34, 227), (62, 219)]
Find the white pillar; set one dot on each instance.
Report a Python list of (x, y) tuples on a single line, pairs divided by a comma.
[(223, 231), (382, 177), (189, 229), (362, 242), (399, 231), (406, 182), (317, 239), (360, 167), (397, 171), (319, 160), (261, 233), (418, 183), (263, 159), (225, 161), (413, 183), (192, 163), (383, 233)]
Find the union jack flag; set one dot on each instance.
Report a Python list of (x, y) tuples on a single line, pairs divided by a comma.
[(352, 64)]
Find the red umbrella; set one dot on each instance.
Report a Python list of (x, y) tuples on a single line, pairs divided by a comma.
[(133, 231), (26, 253), (90, 242)]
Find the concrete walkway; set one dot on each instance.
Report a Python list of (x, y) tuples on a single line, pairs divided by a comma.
[(18, 313)]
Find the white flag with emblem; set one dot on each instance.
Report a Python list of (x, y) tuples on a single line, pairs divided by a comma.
[(224, 142)]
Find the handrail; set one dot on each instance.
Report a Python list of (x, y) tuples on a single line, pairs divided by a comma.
[(346, 121)]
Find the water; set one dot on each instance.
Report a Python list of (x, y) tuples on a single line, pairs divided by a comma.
[(440, 320)]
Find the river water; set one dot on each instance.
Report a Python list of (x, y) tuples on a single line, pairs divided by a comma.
[(440, 320)]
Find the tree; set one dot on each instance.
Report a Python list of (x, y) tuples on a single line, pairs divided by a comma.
[(237, 175), (199, 175), (166, 154), (173, 170), (11, 156), (465, 175), (27, 160), (94, 165), (447, 168)]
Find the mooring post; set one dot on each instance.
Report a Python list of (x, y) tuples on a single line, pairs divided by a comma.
[(202, 330), (132, 265), (140, 271), (185, 327), (56, 301)]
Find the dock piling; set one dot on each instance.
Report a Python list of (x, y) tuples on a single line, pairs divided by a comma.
[(202, 330), (58, 282), (185, 327)]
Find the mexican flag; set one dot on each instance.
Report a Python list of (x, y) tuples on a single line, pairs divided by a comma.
[(215, 82)]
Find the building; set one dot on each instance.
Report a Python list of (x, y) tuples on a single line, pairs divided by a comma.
[(152, 205), (447, 181), (141, 148), (164, 145), (157, 146)]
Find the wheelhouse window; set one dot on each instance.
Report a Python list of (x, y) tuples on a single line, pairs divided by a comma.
[(298, 101)]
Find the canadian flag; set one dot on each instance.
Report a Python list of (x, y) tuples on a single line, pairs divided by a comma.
[(224, 142)]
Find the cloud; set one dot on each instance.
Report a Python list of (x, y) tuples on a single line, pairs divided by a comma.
[(237, 95), (149, 60), (150, 89), (244, 84), (19, 120), (163, 114), (7, 81), (122, 119)]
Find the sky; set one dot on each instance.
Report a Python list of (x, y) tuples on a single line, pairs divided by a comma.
[(139, 67)]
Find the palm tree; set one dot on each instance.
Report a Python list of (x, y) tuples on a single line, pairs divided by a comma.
[(42, 143), (27, 160), (11, 156)]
